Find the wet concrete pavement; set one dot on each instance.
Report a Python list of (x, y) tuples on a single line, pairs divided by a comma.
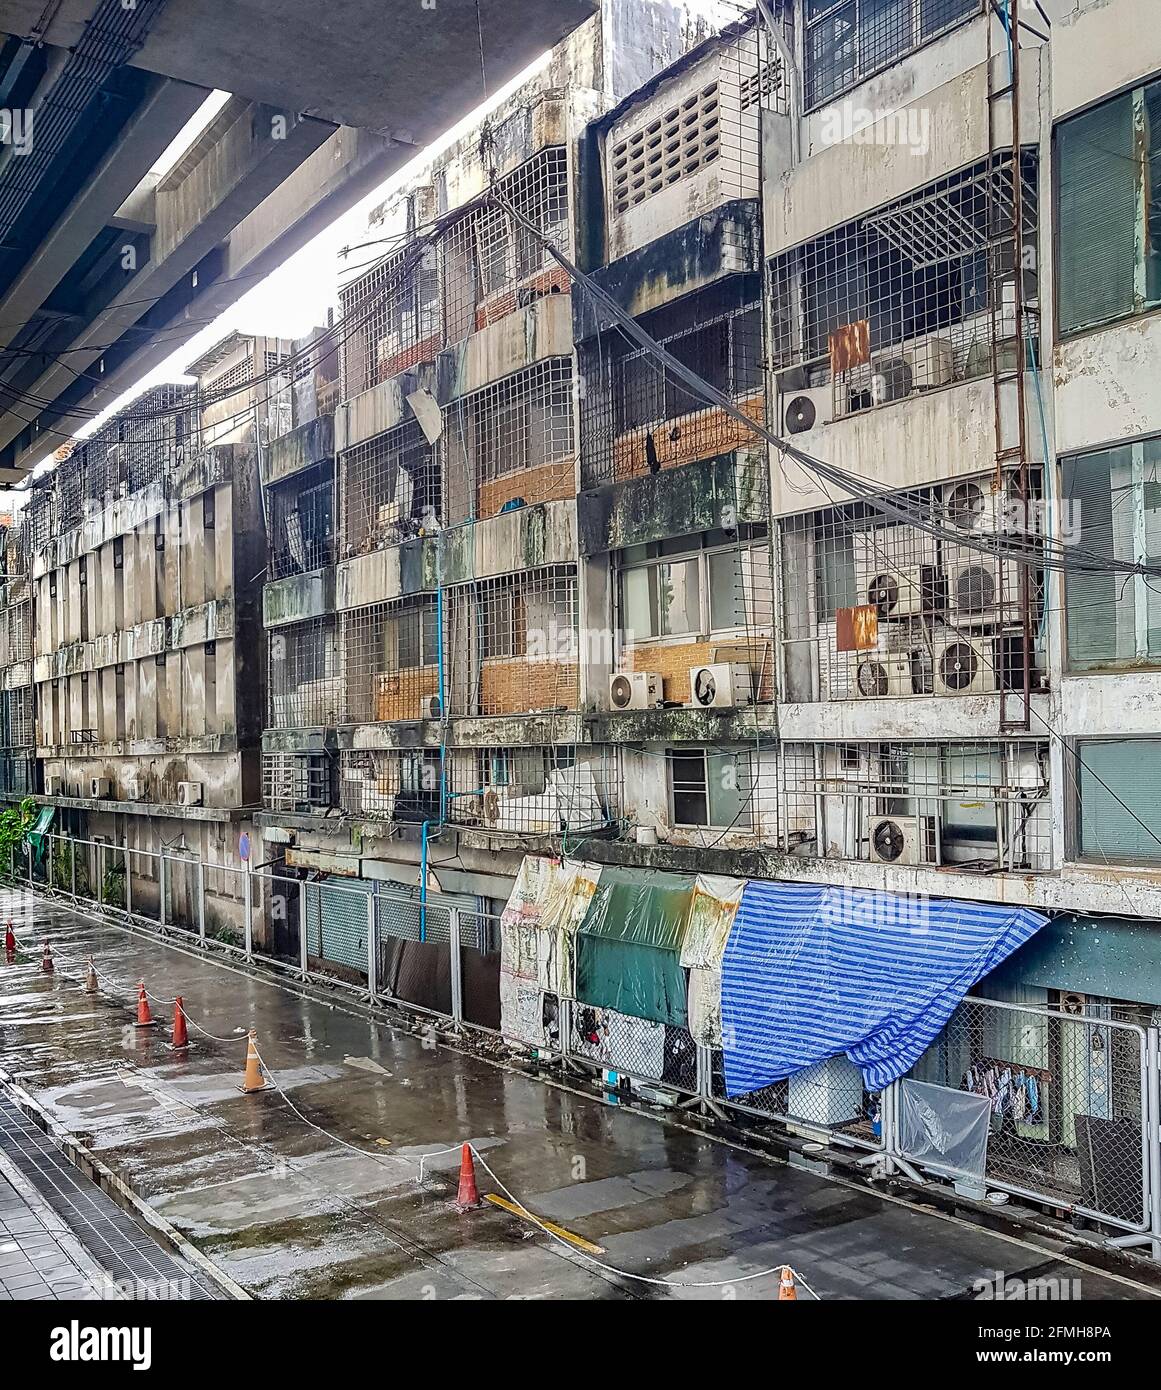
[(289, 1211)]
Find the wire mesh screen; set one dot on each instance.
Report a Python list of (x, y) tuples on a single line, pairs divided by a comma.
[(482, 267), (305, 684), (390, 487), (631, 1049), (972, 805), (847, 41), (300, 523), (298, 782), (390, 661), (387, 784), (639, 418), (915, 296), (533, 790), (513, 643), (16, 633), (511, 443), (829, 1096), (1066, 1098), (875, 608)]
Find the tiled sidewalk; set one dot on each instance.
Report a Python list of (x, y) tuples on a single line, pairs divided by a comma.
[(61, 1236), (39, 1256)]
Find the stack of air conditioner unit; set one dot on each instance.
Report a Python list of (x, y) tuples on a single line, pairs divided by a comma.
[(974, 577), (896, 573), (965, 665)]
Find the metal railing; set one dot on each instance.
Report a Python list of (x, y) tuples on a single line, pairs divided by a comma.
[(437, 958), (1073, 1100)]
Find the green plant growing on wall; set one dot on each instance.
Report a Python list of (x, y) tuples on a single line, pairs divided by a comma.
[(113, 884), (15, 823), (63, 856)]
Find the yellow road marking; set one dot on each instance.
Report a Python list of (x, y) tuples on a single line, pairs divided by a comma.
[(571, 1237)]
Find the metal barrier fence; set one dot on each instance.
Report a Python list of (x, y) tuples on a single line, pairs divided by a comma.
[(1074, 1100), (439, 958)]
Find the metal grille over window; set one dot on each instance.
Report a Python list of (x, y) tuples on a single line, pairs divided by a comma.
[(916, 296), (976, 806), (481, 266), (512, 443), (877, 609), (848, 40), (305, 685), (640, 418), (534, 790), (298, 782), (300, 523), (390, 488), (512, 644), (390, 661)]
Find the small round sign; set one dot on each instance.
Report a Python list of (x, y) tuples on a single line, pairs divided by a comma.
[(244, 847)]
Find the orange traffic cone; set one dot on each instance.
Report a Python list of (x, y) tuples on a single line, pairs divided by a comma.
[(253, 1080), (180, 1037), (144, 1016), (91, 985), (786, 1287), (469, 1194), (46, 963)]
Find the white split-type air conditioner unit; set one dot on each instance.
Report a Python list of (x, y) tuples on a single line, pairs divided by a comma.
[(723, 685), (189, 793), (635, 690), (803, 410), (429, 707), (882, 674), (965, 666), (98, 788), (974, 586), (932, 362), (896, 840), (903, 591), (54, 786)]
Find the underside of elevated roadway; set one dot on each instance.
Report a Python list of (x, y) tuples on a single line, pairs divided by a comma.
[(106, 263)]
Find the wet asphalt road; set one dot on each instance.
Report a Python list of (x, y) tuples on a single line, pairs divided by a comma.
[(290, 1212)]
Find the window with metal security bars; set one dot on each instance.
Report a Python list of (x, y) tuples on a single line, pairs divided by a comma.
[(640, 417), (1118, 804), (970, 805), (1109, 180), (909, 298), (511, 443), (306, 689), (711, 789), (300, 520), (390, 661), (390, 785), (298, 782), (1114, 619), (483, 265), (17, 726), (513, 643), (531, 790), (667, 149), (849, 40), (873, 608), (390, 487)]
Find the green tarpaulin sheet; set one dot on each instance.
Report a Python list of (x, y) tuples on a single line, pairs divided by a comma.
[(628, 949), (643, 981), (39, 829)]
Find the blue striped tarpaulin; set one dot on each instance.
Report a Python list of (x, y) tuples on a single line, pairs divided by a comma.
[(811, 971)]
